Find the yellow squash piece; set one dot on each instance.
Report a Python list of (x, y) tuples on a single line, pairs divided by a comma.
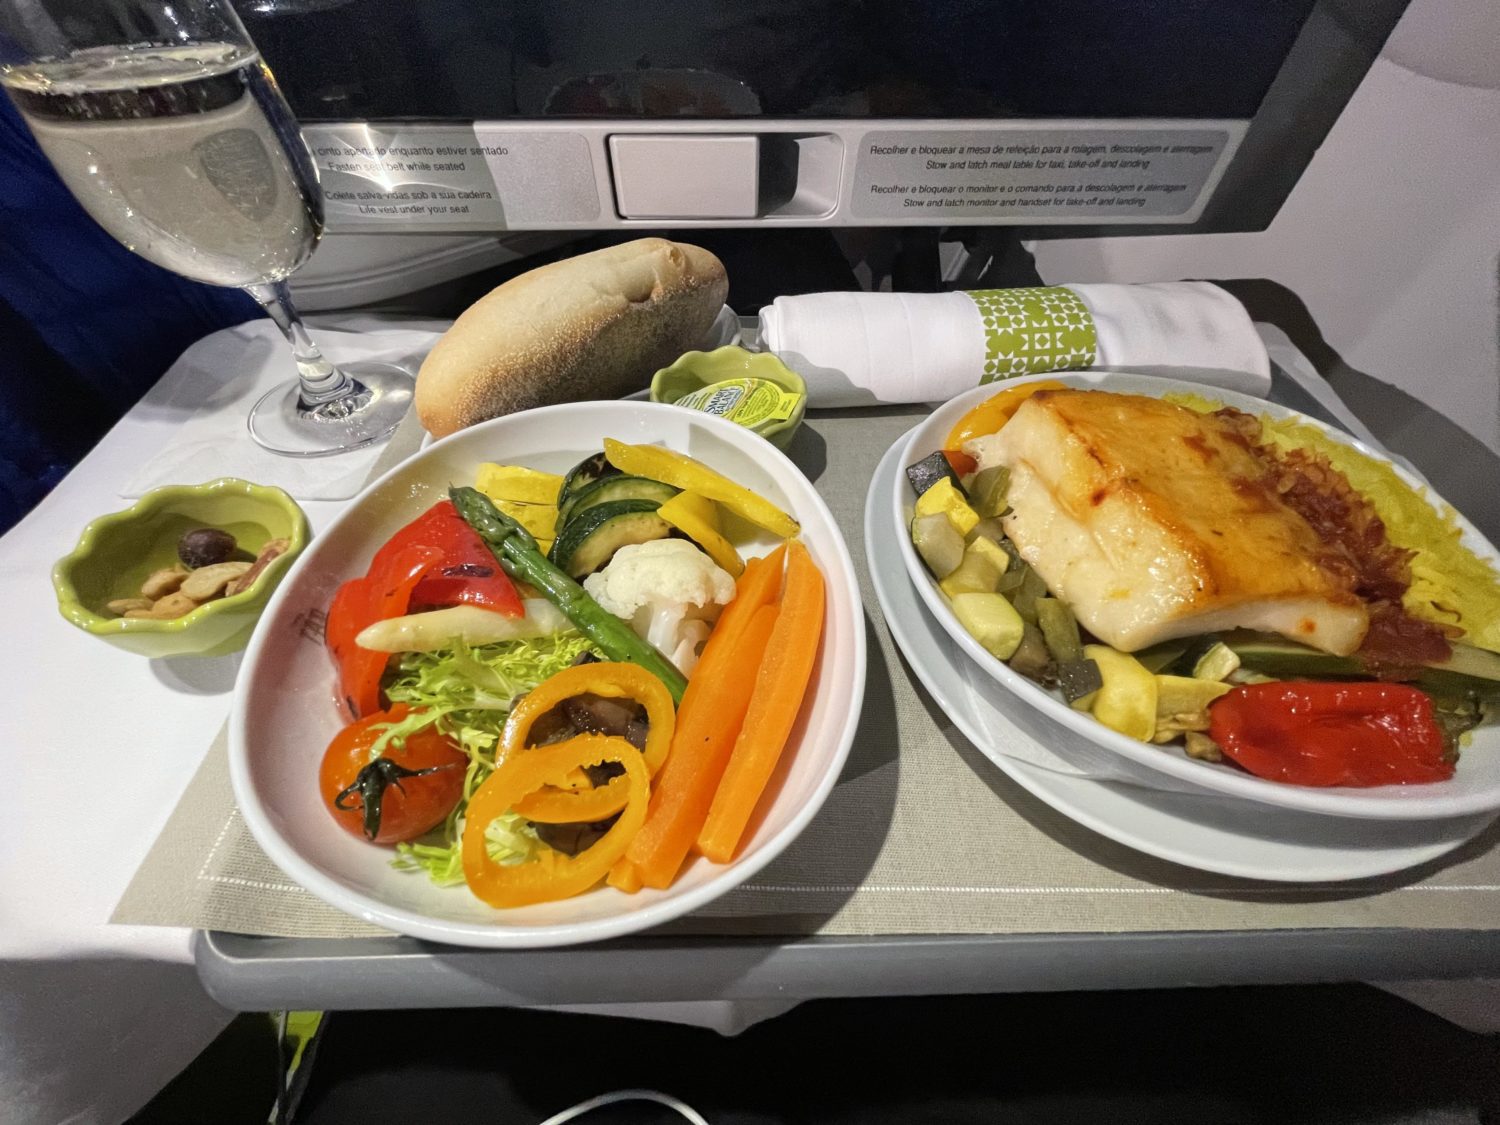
[(681, 471), (1127, 700), (943, 497), (684, 512), (516, 482), (539, 519)]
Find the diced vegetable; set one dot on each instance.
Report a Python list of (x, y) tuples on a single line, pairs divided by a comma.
[(693, 476), (938, 542), (697, 518), (945, 498), (979, 572), (1217, 663), (1031, 590), (961, 462), (1202, 747), (991, 529), (517, 552), (1031, 658), (992, 621), (780, 684), (1126, 700), (708, 722), (1185, 695), (1059, 629), (987, 491), (1079, 680), (1160, 657), (929, 471)]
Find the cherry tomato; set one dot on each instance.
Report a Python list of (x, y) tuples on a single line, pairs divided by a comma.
[(410, 789)]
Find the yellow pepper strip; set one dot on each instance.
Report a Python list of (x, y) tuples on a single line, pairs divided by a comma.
[(701, 506), (611, 679), (551, 875), (685, 515), (681, 471), (991, 415)]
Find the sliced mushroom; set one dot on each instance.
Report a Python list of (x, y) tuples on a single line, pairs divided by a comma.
[(273, 549), (162, 582), (208, 582)]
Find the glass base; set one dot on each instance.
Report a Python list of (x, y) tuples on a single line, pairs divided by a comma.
[(282, 424)]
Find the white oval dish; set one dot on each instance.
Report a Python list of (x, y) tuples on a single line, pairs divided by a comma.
[(284, 712), (1475, 787), (1203, 830)]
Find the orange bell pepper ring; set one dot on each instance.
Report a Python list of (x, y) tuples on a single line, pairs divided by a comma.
[(611, 679), (551, 875)]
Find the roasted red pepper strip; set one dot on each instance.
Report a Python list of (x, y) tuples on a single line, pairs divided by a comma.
[(467, 572), (1351, 734), (960, 462), (385, 592)]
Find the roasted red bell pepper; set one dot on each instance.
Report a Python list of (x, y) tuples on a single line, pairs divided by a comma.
[(1323, 734), (385, 592), (467, 573)]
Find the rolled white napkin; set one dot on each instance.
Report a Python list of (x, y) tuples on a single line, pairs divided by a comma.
[(858, 349)]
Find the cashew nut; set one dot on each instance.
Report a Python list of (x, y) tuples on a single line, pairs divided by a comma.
[(209, 581), (122, 606), (163, 582)]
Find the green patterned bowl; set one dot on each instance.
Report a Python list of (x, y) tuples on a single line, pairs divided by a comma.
[(773, 412), (116, 552)]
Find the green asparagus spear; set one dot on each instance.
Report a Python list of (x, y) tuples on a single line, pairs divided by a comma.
[(517, 552)]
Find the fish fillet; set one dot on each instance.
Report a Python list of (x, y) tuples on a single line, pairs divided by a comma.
[(1151, 521)]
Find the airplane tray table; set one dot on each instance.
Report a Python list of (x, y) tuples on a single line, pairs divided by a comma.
[(1120, 919)]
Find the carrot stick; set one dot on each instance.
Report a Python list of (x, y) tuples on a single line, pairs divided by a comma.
[(707, 724), (774, 702), (722, 661)]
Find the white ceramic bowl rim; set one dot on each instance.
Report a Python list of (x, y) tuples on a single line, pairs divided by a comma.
[(1435, 801)]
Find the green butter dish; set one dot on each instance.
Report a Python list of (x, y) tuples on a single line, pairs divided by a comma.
[(754, 389), (117, 552)]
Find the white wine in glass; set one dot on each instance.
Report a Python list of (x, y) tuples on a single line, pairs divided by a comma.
[(165, 123)]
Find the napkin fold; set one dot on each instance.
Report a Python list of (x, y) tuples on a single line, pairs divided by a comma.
[(859, 349), (201, 405)]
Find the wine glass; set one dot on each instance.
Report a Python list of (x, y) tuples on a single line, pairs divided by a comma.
[(167, 126)]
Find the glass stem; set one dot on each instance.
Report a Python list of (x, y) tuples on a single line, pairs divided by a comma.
[(320, 381)]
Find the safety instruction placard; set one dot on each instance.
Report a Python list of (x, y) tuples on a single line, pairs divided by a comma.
[(1061, 174)]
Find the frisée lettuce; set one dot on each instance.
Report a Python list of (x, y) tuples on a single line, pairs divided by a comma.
[(467, 691)]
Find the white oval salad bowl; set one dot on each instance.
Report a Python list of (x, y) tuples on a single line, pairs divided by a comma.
[(1475, 786), (284, 710)]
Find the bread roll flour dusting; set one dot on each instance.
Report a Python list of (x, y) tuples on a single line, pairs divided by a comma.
[(598, 325)]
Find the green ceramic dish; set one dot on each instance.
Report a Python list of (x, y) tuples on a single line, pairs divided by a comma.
[(116, 552), (694, 371)]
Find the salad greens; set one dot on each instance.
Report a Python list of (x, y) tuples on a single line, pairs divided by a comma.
[(467, 691)]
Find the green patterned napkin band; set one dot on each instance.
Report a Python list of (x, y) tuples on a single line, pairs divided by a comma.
[(1031, 330)]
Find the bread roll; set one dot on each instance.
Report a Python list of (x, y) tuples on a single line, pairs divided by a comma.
[(595, 326)]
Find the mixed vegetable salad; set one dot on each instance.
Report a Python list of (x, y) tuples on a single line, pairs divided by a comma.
[(1259, 702), (554, 681)]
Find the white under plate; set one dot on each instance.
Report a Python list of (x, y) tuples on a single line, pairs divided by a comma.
[(1211, 833), (1474, 788)]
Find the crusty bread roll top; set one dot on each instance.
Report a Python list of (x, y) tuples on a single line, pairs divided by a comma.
[(595, 326)]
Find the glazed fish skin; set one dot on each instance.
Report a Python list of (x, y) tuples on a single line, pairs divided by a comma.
[(1150, 520)]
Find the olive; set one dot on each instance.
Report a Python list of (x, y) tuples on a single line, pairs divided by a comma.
[(206, 546)]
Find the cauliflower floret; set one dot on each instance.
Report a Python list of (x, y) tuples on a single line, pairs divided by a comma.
[(669, 591)]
